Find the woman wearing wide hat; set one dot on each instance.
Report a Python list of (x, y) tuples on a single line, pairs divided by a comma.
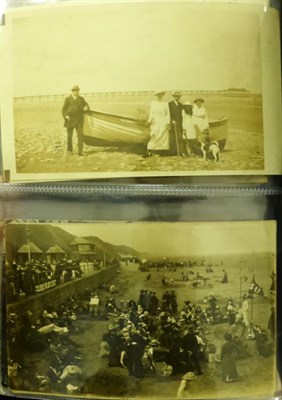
[(200, 115), (159, 125)]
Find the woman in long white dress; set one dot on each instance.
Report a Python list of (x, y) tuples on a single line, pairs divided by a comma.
[(159, 120), (200, 115)]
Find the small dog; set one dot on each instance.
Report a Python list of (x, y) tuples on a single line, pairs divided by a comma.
[(210, 148)]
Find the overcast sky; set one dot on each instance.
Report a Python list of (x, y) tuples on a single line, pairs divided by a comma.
[(124, 47), (182, 239)]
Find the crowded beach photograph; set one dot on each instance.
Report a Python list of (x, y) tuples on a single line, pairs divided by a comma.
[(141, 309), (139, 89)]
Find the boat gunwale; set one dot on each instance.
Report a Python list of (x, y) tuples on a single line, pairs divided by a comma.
[(139, 121), (212, 121)]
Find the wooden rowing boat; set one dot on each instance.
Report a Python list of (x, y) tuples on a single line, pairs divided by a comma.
[(102, 129), (218, 130), (108, 130)]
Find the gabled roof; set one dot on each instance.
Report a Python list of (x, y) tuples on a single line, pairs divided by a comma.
[(31, 248), (80, 240), (55, 250), (86, 252)]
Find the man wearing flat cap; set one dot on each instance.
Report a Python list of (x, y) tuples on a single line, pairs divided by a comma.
[(73, 113), (176, 140)]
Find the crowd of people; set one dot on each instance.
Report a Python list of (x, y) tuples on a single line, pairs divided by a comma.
[(154, 333), (48, 335), (23, 279), (172, 265), (175, 127)]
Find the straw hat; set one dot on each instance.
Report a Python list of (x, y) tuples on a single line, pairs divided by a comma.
[(190, 376), (176, 94), (154, 342), (111, 327), (157, 92)]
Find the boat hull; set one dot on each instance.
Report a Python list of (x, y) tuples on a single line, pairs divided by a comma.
[(101, 129), (107, 130), (218, 131)]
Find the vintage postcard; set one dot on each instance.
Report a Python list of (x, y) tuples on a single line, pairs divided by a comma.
[(141, 309), (131, 89)]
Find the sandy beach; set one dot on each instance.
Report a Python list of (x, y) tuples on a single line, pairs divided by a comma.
[(40, 138), (256, 373)]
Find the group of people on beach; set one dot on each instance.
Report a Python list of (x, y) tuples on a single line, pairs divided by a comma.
[(166, 337), (174, 126), (149, 334)]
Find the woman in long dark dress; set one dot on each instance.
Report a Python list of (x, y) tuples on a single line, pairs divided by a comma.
[(228, 359)]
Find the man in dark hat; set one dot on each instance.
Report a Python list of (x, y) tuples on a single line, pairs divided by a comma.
[(191, 348), (176, 139), (173, 302), (142, 298), (134, 351), (154, 304), (73, 113)]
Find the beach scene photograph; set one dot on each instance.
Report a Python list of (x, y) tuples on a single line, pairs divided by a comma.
[(141, 309), (165, 89)]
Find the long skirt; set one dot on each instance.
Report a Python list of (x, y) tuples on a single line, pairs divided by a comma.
[(159, 137), (229, 371)]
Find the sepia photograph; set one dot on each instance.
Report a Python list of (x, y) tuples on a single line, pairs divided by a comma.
[(141, 309), (139, 89)]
